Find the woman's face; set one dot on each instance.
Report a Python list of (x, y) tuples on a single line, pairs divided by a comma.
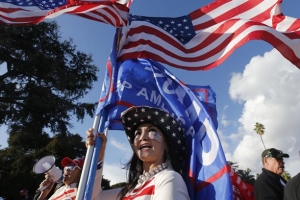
[(149, 144)]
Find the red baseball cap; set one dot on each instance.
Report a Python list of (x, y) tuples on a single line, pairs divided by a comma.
[(67, 161)]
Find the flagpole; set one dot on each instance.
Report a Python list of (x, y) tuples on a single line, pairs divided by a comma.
[(93, 167), (85, 188), (87, 162)]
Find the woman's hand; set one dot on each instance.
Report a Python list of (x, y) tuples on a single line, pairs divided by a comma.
[(90, 141)]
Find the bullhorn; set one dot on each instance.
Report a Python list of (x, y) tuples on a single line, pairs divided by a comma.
[(46, 165)]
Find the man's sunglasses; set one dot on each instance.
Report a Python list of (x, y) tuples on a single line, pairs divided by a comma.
[(71, 167)]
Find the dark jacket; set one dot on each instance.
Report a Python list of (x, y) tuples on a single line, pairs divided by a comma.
[(269, 185), (292, 188)]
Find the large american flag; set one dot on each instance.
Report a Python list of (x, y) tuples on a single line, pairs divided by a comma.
[(206, 37), (35, 11)]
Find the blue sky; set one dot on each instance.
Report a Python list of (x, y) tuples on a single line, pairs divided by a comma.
[(255, 84)]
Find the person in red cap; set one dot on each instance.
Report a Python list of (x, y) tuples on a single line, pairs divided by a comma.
[(71, 177), (24, 194)]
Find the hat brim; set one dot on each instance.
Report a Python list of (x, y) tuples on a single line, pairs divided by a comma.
[(282, 155)]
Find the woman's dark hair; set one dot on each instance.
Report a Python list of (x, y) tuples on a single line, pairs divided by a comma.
[(135, 166)]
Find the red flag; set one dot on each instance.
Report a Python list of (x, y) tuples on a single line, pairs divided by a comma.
[(241, 189)]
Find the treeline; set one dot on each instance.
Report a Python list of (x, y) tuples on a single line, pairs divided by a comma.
[(44, 80)]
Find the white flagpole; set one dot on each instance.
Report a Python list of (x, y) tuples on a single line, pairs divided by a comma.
[(87, 162), (93, 168), (87, 168)]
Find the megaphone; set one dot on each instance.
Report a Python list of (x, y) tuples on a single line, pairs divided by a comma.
[(46, 165)]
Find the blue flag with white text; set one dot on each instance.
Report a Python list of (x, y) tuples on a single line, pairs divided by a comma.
[(145, 82)]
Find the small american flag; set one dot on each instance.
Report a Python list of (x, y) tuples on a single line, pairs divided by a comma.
[(41, 4), (35, 11)]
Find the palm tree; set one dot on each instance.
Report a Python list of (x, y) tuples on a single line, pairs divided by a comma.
[(246, 176), (260, 130), (286, 175)]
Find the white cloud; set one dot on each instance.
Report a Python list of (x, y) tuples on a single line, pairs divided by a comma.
[(118, 152), (269, 91), (118, 149), (223, 117), (119, 145), (114, 173)]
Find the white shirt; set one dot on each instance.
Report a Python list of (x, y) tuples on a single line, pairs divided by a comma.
[(165, 185), (65, 192)]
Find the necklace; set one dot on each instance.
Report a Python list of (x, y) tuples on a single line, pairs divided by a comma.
[(146, 175)]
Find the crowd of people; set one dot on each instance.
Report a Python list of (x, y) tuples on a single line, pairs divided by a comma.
[(155, 168)]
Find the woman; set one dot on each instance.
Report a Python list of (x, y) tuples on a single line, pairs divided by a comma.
[(159, 149)]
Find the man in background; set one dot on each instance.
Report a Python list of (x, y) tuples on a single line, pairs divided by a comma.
[(269, 184), (292, 188), (71, 174), (71, 177), (24, 195)]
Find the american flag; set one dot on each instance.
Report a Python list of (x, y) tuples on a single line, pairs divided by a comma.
[(35, 11), (206, 37)]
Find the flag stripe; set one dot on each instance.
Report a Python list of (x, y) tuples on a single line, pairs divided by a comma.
[(111, 84), (220, 11), (224, 170), (116, 14)]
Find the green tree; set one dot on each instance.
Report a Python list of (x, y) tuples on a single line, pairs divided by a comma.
[(245, 175), (260, 130), (118, 185), (45, 80), (233, 165), (105, 184), (17, 160), (40, 94), (286, 175)]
